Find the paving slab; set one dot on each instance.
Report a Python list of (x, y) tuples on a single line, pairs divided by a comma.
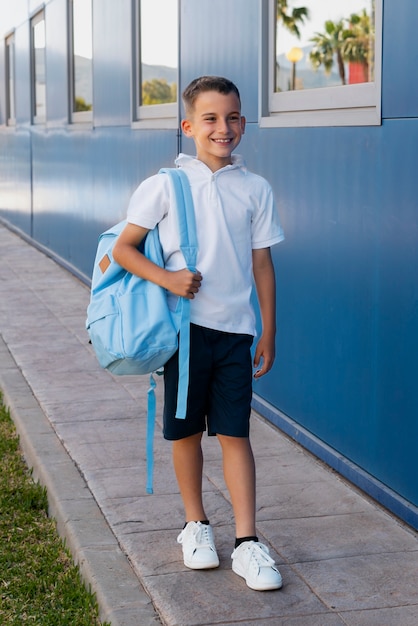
[(343, 558)]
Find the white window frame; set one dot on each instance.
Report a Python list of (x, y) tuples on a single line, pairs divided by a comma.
[(345, 105), (150, 116), (37, 17), (10, 95), (75, 117)]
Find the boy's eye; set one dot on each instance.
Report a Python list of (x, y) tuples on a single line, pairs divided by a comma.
[(231, 118)]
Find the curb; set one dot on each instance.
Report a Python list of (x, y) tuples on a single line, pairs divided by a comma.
[(80, 522)]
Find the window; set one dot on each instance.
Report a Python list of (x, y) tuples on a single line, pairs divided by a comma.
[(81, 54), (156, 62), (38, 68), (10, 81), (323, 63)]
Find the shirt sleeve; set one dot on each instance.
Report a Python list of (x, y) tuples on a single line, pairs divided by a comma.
[(266, 229), (149, 202)]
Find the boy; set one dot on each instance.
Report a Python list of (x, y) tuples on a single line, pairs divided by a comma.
[(237, 222)]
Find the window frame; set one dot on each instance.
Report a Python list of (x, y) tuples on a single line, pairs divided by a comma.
[(76, 117), (150, 116), (10, 92), (37, 17), (344, 105)]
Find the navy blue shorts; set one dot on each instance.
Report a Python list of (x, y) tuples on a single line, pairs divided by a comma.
[(220, 386)]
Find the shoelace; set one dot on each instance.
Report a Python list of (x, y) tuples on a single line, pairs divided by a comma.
[(259, 553), (202, 536)]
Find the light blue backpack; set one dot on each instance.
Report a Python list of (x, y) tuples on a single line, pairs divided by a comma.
[(130, 325)]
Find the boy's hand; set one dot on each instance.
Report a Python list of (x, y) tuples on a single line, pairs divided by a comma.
[(184, 283), (264, 353)]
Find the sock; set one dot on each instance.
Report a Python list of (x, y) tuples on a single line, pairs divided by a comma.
[(202, 521), (240, 540)]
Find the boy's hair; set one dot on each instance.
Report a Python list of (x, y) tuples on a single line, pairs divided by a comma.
[(207, 83)]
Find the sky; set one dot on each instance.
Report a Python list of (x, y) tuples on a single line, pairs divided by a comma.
[(83, 28), (161, 50)]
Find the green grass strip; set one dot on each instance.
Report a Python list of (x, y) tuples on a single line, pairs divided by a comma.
[(39, 583)]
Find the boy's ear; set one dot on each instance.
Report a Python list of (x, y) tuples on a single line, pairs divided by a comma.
[(186, 127), (243, 122)]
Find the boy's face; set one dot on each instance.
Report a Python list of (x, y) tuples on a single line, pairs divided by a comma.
[(216, 126)]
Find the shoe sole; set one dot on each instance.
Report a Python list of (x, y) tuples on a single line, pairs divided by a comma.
[(193, 565), (270, 587)]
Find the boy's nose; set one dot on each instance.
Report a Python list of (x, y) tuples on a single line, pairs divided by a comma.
[(223, 126)]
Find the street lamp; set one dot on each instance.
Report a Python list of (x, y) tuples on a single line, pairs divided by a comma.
[(294, 55)]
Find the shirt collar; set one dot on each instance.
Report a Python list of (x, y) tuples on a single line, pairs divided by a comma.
[(187, 161)]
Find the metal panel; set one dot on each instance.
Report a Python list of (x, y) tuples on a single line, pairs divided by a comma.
[(34, 6), (400, 59), (324, 284), (12, 15), (83, 181), (347, 298), (112, 62), (222, 38), (15, 178)]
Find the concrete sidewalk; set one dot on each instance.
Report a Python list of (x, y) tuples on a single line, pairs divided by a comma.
[(344, 560)]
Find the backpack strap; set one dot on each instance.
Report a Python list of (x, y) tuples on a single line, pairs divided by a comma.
[(151, 411), (188, 246)]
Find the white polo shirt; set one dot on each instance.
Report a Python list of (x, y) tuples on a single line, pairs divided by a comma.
[(235, 213)]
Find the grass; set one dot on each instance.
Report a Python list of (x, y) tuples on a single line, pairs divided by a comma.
[(39, 583)]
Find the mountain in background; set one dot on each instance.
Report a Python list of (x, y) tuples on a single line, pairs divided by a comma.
[(159, 71), (306, 77)]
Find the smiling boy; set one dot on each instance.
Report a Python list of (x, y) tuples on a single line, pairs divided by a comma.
[(237, 223)]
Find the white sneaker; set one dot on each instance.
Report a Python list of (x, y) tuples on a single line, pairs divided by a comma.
[(199, 550), (251, 561)]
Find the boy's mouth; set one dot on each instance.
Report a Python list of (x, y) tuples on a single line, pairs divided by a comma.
[(222, 141)]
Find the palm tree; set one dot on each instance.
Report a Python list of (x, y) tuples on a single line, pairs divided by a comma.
[(328, 44), (292, 19), (358, 47)]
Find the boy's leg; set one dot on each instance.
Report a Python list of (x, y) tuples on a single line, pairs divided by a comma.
[(229, 417), (250, 559), (186, 434), (239, 474), (197, 541), (188, 466)]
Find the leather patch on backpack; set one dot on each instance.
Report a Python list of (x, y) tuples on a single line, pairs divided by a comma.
[(104, 263)]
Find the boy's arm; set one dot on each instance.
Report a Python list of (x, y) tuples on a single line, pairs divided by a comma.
[(125, 252), (265, 283)]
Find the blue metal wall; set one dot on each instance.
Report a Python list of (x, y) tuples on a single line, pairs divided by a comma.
[(347, 345)]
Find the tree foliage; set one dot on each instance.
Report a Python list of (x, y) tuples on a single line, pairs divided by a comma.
[(158, 91), (291, 18), (358, 47), (81, 105), (348, 40), (328, 44)]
